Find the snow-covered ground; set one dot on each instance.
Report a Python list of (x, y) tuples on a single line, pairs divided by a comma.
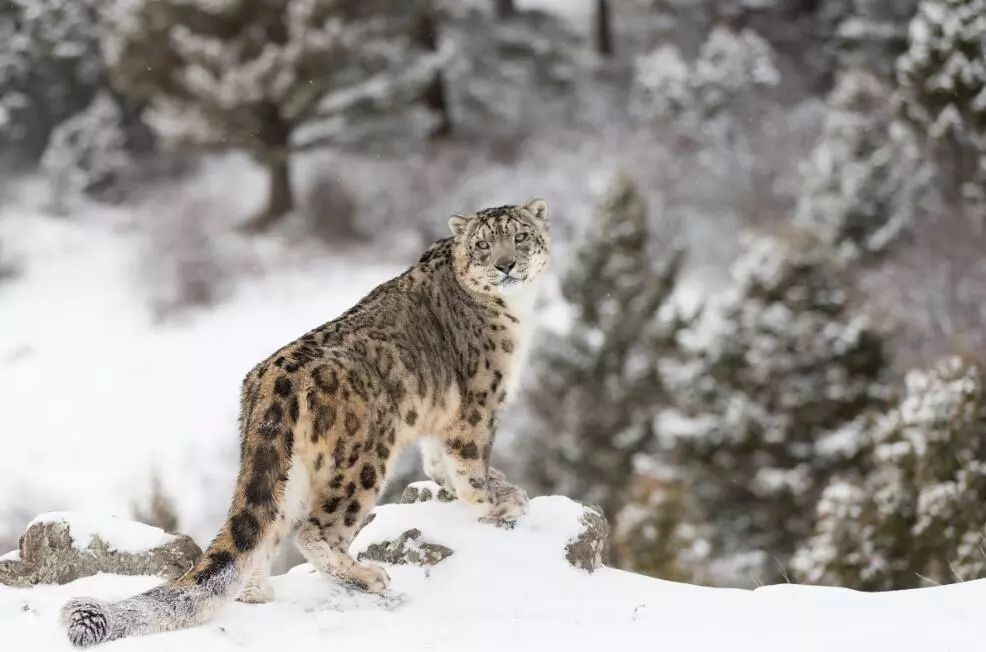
[(513, 590)]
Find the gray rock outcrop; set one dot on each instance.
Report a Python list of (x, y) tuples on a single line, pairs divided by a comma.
[(590, 548), (48, 554), (407, 549)]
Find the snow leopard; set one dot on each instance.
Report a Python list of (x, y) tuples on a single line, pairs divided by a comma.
[(431, 356)]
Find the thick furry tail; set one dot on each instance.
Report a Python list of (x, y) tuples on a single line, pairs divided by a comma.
[(186, 602), (219, 576)]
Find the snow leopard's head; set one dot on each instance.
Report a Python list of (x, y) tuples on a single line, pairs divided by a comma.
[(500, 250)]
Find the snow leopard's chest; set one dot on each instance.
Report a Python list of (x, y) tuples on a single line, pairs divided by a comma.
[(518, 323)]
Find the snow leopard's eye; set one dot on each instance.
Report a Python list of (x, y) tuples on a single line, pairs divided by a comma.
[(483, 245), (520, 237)]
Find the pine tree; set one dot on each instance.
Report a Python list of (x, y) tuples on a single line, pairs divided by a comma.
[(918, 515), (662, 85), (603, 28), (87, 154), (51, 66), (732, 66), (650, 535), (770, 406), (597, 385), (942, 80), (12, 66), (427, 35), (864, 181), (266, 77), (502, 73), (505, 8), (868, 34)]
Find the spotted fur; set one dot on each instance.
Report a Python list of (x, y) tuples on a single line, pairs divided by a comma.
[(429, 356)]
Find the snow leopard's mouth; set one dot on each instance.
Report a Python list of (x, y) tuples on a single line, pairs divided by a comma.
[(509, 282)]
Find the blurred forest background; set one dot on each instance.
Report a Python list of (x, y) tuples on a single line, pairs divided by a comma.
[(762, 338)]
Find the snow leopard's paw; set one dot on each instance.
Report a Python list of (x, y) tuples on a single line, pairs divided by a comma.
[(368, 577), (509, 502), (257, 593)]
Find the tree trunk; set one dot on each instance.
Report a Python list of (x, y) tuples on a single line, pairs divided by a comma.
[(280, 199), (604, 29), (434, 97), (505, 8)]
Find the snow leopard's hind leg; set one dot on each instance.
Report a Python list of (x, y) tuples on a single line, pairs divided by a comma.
[(346, 481), (258, 589)]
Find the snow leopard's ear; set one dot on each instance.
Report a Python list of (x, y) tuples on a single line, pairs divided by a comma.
[(459, 223), (538, 208)]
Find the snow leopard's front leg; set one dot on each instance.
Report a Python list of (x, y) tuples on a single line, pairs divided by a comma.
[(467, 466), (433, 462), (509, 501)]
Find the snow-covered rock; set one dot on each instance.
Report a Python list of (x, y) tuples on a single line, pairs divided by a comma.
[(61, 547), (422, 492), (407, 549), (590, 548)]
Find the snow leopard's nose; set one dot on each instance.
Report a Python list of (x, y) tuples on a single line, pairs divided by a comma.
[(505, 263)]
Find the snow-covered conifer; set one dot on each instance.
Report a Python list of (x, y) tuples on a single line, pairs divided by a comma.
[(864, 180), (730, 64), (501, 73), (771, 405), (868, 33), (731, 67), (662, 87), (918, 515), (942, 80), (649, 532), (597, 385), (50, 64), (87, 154), (266, 77)]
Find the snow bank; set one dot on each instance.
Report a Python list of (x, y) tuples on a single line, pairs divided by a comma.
[(512, 590)]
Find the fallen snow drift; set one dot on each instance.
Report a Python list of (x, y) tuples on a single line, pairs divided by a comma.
[(513, 590)]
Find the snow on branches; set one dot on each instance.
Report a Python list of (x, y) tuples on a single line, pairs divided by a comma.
[(730, 66), (771, 403), (917, 516), (864, 179)]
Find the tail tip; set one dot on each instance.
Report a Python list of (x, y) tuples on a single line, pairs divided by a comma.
[(86, 621)]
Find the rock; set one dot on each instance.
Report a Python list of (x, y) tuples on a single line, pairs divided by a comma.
[(590, 548), (60, 548), (407, 549), (422, 492)]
